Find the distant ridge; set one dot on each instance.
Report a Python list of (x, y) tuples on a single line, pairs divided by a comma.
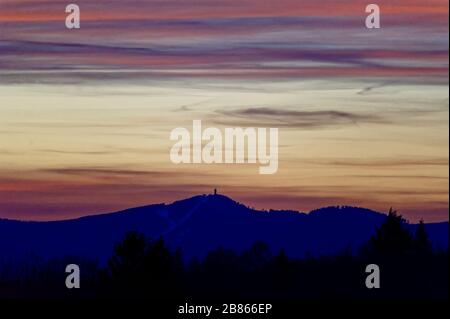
[(200, 224)]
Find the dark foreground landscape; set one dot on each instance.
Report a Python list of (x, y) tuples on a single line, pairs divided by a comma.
[(212, 248)]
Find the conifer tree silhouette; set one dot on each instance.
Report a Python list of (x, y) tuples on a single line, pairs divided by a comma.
[(422, 243), (392, 238)]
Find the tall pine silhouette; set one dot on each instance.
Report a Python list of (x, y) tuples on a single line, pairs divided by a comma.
[(392, 238)]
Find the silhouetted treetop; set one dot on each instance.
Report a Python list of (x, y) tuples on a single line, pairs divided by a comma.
[(422, 242), (392, 237)]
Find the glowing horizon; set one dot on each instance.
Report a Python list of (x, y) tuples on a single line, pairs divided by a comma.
[(85, 115)]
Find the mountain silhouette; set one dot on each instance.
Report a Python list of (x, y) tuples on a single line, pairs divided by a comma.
[(199, 224)]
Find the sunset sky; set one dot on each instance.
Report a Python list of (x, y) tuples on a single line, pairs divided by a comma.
[(85, 115)]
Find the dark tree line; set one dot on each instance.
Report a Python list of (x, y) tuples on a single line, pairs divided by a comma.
[(392, 239), (142, 268)]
